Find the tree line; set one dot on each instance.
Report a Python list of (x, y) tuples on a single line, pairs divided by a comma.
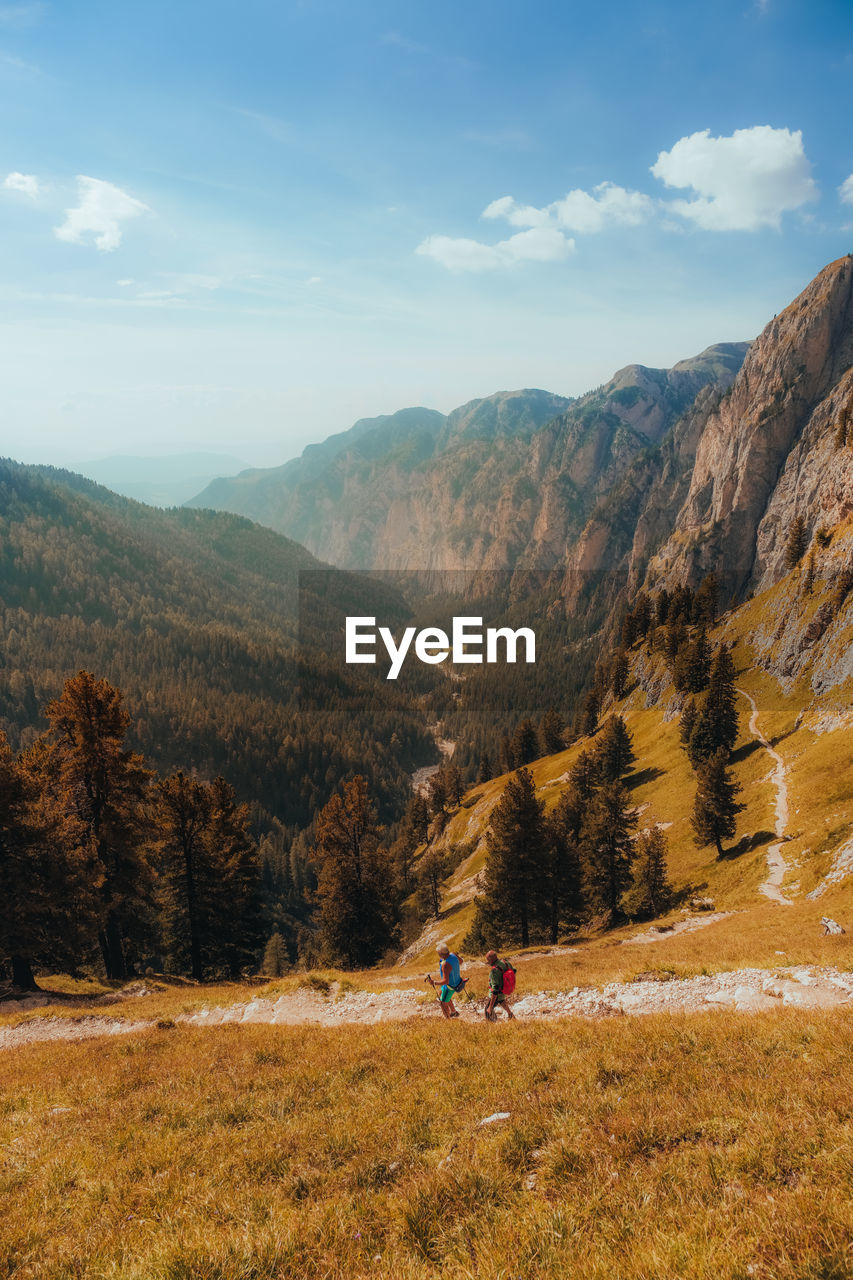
[(103, 862)]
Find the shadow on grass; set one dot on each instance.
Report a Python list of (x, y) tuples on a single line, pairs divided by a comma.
[(745, 751), (643, 776)]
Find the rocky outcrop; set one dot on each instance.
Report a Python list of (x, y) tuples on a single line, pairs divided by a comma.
[(769, 450)]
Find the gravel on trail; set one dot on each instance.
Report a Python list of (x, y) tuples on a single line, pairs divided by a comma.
[(741, 991)]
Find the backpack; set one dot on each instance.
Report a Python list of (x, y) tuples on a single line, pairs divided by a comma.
[(509, 978)]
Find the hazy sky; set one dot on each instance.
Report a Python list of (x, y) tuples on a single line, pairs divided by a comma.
[(241, 226)]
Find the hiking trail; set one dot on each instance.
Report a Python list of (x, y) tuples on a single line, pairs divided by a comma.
[(739, 991), (776, 864)]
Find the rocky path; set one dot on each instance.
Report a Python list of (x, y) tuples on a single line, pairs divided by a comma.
[(776, 864), (745, 990)]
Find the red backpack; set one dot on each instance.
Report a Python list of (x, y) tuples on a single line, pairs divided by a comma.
[(509, 979)]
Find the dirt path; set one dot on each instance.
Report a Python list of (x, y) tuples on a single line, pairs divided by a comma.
[(745, 991), (776, 864)]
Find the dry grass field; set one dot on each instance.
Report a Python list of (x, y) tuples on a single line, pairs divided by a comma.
[(708, 1147)]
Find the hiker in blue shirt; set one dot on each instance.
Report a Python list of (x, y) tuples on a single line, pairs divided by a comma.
[(451, 980)]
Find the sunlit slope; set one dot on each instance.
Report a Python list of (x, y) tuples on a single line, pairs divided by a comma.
[(793, 651)]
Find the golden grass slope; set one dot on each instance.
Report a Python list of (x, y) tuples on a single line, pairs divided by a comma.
[(807, 717), (712, 1148)]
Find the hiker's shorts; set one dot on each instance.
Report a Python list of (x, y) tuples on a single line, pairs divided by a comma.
[(446, 994)]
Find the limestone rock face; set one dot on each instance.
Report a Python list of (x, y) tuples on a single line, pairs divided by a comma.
[(769, 451), (502, 483)]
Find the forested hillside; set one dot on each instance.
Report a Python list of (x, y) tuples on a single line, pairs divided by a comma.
[(193, 615)]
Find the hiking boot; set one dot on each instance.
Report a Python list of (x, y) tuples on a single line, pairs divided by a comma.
[(454, 1013)]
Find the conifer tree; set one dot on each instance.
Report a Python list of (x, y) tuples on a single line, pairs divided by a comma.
[(183, 815), (276, 959), (553, 729), (698, 662), (432, 872), (454, 787), (234, 931), (614, 753), (716, 805), (525, 743), (104, 787), (707, 599), (355, 912), (413, 831), (717, 722), (619, 674), (565, 898), (607, 850), (797, 544), (651, 892), (484, 772), (687, 722), (591, 709), (48, 874), (437, 792), (512, 902), (808, 581)]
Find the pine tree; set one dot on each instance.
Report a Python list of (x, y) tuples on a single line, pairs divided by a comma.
[(552, 732), (808, 581), (614, 754), (105, 787), (716, 805), (512, 902), (183, 815), (707, 599), (717, 722), (484, 772), (698, 662), (651, 892), (565, 898), (276, 959), (432, 872), (607, 850), (233, 934), (437, 792), (48, 874), (454, 787), (355, 913), (619, 671), (797, 544), (687, 722), (591, 709), (525, 743)]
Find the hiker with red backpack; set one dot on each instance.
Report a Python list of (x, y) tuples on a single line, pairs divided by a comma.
[(501, 985)]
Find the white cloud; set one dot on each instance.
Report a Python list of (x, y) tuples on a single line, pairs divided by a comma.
[(27, 183), (846, 190), (743, 182), (538, 244), (578, 210), (101, 210)]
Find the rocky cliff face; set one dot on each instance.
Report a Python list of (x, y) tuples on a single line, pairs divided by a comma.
[(771, 450), (502, 483)]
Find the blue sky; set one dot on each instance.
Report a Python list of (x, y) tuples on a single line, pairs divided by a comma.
[(239, 227)]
